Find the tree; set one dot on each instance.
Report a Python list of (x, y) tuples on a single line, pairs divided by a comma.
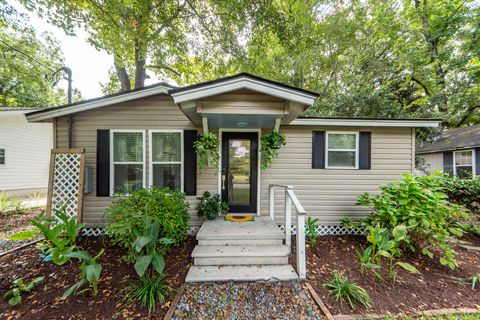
[(26, 60), (146, 34)]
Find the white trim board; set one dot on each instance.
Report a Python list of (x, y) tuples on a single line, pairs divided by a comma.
[(366, 123), (243, 82), (96, 104)]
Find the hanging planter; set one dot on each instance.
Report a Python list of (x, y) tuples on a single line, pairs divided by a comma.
[(207, 149), (271, 143)]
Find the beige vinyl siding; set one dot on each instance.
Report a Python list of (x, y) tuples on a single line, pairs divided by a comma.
[(156, 112), (434, 161), (330, 194)]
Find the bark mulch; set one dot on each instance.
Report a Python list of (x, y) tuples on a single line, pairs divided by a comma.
[(44, 301), (434, 288), (247, 300)]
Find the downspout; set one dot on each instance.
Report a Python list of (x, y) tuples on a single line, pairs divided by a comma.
[(68, 71)]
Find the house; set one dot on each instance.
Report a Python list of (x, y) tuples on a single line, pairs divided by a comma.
[(24, 153), (454, 151), (327, 161)]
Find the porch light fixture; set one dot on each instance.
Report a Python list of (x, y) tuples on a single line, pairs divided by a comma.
[(241, 124)]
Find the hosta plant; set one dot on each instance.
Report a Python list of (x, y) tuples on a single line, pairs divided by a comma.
[(14, 295)]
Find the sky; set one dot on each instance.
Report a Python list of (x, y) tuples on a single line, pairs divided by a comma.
[(89, 66)]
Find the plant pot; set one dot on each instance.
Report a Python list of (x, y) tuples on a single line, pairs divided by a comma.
[(211, 217)]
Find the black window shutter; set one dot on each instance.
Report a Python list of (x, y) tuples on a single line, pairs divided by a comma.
[(365, 151), (189, 162), (448, 162), (103, 163), (477, 160), (318, 149)]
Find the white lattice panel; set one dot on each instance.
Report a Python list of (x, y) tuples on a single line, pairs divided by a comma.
[(331, 230), (66, 182)]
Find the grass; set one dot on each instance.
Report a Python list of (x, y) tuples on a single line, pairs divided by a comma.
[(342, 289), (10, 205)]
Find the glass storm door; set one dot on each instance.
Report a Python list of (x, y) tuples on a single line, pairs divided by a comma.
[(239, 171)]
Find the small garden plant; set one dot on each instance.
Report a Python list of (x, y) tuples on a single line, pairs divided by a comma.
[(270, 144), (60, 246), (311, 231), (126, 217), (343, 289), (149, 287), (207, 148), (10, 205), (211, 206), (14, 295)]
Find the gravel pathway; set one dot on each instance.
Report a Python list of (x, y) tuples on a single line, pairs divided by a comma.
[(278, 300)]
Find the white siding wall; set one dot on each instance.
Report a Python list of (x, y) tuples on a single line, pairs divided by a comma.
[(27, 152)]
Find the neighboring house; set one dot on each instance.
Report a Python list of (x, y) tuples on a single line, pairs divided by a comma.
[(328, 161), (24, 153), (454, 151)]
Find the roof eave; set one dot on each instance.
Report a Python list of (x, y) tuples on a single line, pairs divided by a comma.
[(368, 123), (242, 82)]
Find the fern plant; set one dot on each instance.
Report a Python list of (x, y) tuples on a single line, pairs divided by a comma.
[(207, 147), (342, 289), (270, 144)]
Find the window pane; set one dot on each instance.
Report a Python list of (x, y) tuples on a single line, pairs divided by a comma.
[(128, 177), (2, 156), (239, 171), (464, 172), (463, 158), (341, 159), (342, 141), (166, 146), (128, 147), (167, 175)]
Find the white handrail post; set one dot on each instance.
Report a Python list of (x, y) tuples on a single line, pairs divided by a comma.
[(271, 200), (288, 219), (301, 252)]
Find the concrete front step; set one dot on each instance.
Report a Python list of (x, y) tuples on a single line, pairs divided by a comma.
[(262, 228), (241, 273), (240, 242), (240, 255)]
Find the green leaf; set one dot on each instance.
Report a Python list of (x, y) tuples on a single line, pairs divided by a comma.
[(92, 272), (141, 242), (408, 267), (158, 263), (24, 235), (383, 253), (142, 264), (14, 301), (74, 288), (82, 255)]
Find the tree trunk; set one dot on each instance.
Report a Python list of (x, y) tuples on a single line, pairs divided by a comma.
[(123, 77), (140, 61)]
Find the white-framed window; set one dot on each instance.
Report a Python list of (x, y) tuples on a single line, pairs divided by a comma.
[(127, 160), (464, 164), (341, 150), (3, 157), (166, 159)]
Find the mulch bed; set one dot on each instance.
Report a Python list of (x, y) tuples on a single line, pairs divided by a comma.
[(12, 223), (44, 301), (434, 288), (247, 300)]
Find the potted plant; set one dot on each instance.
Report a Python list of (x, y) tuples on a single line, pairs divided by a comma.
[(270, 144), (211, 206), (207, 148)]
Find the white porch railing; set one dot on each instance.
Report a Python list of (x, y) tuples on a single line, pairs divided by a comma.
[(291, 198)]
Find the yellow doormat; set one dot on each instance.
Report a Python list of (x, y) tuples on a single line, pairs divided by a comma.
[(239, 218)]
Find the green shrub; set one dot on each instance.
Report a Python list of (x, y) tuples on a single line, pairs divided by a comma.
[(126, 217), (342, 289), (18, 287), (419, 207), (463, 192), (211, 206)]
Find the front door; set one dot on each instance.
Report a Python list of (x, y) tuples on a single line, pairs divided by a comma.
[(239, 171)]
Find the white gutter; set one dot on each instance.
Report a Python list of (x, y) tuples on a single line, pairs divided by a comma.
[(367, 123), (33, 117)]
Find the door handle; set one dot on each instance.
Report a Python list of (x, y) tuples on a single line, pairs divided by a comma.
[(223, 181)]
